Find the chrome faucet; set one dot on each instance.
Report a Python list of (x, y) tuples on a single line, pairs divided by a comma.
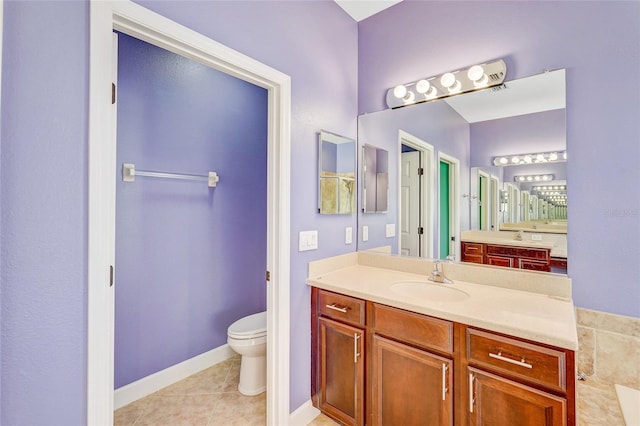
[(437, 275)]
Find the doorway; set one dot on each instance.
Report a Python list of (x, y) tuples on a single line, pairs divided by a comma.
[(138, 22), (449, 206), (416, 206)]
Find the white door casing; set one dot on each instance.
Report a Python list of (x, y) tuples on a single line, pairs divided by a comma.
[(427, 191), (141, 23)]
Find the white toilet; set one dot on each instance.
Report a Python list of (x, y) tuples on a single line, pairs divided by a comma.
[(248, 337)]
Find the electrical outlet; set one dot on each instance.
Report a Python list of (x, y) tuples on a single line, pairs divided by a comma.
[(348, 235), (365, 233), (390, 230), (536, 237), (307, 240)]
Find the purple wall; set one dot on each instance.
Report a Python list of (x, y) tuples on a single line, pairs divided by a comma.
[(435, 123), (188, 257), (44, 209), (591, 40), (44, 177), (539, 132)]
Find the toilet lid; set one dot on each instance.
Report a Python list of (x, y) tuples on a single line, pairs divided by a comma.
[(253, 325)]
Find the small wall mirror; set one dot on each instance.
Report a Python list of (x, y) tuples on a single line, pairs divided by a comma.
[(375, 179), (336, 174)]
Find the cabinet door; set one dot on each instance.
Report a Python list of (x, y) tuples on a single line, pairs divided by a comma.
[(341, 372), (410, 386), (496, 401)]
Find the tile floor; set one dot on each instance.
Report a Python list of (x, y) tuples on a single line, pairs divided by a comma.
[(211, 398)]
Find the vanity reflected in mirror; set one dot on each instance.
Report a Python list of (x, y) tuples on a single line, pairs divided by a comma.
[(465, 185), (375, 179), (336, 174)]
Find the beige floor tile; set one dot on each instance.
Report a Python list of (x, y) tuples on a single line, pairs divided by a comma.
[(598, 405), (323, 420), (184, 410)]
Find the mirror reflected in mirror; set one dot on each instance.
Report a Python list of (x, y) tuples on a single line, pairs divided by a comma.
[(375, 179), (459, 141), (336, 174)]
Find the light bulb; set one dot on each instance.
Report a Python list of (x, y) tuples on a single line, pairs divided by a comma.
[(515, 159), (553, 156), (540, 158), (503, 160), (400, 91), (475, 73), (527, 159), (448, 80), (564, 155), (422, 86)]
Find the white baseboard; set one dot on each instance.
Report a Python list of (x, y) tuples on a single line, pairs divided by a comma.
[(303, 414), (156, 381)]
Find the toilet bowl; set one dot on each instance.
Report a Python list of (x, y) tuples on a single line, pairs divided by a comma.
[(248, 337)]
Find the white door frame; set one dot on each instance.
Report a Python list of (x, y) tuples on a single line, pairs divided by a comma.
[(427, 189), (454, 193), (141, 23)]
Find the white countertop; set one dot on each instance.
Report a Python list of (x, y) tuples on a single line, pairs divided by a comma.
[(538, 317)]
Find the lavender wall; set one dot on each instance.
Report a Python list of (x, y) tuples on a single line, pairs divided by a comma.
[(44, 177), (435, 123), (543, 131), (44, 209), (188, 257), (591, 40), (539, 132)]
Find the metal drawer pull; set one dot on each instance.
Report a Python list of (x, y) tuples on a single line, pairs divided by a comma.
[(356, 354), (337, 308), (471, 398), (444, 382), (521, 363)]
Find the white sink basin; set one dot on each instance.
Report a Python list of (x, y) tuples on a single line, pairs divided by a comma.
[(428, 290)]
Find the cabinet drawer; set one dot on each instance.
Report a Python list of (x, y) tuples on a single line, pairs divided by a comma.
[(472, 248), (416, 329), (341, 307), (529, 253), (534, 265), (534, 363), (473, 258)]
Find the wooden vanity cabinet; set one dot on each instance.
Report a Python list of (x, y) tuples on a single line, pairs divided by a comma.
[(404, 368), (338, 338), (534, 259)]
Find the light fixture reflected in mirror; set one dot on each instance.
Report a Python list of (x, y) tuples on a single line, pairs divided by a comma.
[(534, 158), (452, 83), (533, 178)]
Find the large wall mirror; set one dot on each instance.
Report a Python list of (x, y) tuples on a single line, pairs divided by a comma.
[(455, 143), (336, 174)]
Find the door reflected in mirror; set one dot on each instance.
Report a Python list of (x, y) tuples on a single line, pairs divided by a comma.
[(336, 174)]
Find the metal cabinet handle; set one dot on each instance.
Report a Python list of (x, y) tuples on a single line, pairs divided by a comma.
[(444, 381), (356, 354), (471, 393), (521, 363), (337, 308)]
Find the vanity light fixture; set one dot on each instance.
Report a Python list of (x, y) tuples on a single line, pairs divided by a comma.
[(477, 77), (533, 178), (550, 188), (534, 158)]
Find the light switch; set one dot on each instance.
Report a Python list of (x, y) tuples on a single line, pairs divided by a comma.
[(390, 230), (348, 235), (307, 240), (365, 233)]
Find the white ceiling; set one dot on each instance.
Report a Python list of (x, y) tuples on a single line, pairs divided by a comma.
[(542, 92), (362, 9)]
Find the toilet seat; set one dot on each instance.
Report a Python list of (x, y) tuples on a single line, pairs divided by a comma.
[(249, 327)]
